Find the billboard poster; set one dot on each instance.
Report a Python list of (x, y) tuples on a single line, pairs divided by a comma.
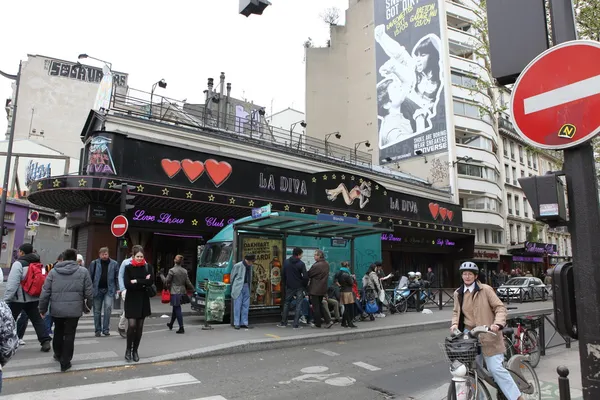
[(411, 79)]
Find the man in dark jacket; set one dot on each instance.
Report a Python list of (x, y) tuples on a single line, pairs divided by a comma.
[(318, 276), (431, 278), (67, 286), (18, 300), (104, 272), (295, 279)]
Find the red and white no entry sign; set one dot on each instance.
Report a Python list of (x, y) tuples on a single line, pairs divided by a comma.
[(556, 100), (119, 225)]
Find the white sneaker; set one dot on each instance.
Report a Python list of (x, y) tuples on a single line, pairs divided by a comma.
[(22, 342), (303, 319)]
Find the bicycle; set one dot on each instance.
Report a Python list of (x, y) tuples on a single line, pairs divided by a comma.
[(469, 373), (395, 302), (525, 340)]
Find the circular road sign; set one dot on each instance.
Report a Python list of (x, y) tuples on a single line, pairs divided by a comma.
[(34, 216), (119, 225), (556, 99)]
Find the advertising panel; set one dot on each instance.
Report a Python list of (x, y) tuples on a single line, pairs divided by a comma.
[(411, 84), (266, 271)]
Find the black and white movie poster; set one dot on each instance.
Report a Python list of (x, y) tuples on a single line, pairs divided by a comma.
[(410, 58)]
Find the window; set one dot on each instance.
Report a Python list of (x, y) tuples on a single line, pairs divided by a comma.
[(529, 158), (216, 255), (525, 207), (510, 233), (505, 147), (522, 174), (482, 203), (463, 80), (497, 237), (514, 175), (512, 150), (466, 109), (517, 206), (506, 173), (527, 230), (519, 234), (478, 171), (476, 141), (509, 202), (521, 160), (534, 161)]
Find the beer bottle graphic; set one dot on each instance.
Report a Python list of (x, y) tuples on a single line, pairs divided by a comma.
[(275, 267)]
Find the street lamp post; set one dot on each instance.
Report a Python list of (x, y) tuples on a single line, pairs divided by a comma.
[(11, 138), (161, 84), (357, 145), (82, 56), (337, 134), (302, 124)]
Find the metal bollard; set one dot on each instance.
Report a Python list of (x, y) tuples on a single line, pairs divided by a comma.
[(563, 382)]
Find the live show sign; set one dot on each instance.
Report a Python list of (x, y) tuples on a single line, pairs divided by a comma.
[(350, 193)]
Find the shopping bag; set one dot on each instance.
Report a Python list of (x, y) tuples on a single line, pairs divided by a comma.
[(165, 297)]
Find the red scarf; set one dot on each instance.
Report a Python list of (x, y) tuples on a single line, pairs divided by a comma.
[(138, 263)]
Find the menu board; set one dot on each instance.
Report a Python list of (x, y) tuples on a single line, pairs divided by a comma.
[(266, 271)]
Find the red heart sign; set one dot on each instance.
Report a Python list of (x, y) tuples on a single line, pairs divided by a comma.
[(218, 172), (171, 168), (434, 209), (192, 169), (450, 215), (443, 213)]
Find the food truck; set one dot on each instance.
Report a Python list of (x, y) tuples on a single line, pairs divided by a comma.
[(271, 237)]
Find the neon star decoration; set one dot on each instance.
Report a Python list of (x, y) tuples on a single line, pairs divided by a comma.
[(318, 211), (231, 200), (324, 177), (188, 195), (385, 192), (251, 203), (211, 197), (286, 208), (357, 216), (39, 185), (314, 180), (56, 183), (82, 182), (380, 219), (345, 214), (111, 184), (343, 177), (331, 212), (303, 209), (333, 176), (165, 192), (194, 222), (376, 187), (140, 188), (369, 217)]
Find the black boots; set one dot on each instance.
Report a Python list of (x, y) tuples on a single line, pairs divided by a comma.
[(128, 355), (170, 326), (135, 356), (181, 330)]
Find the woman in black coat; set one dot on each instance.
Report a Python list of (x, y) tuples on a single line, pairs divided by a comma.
[(138, 276)]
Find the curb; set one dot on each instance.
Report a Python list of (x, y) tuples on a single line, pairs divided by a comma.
[(256, 345)]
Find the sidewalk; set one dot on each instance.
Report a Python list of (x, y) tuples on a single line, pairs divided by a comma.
[(160, 345)]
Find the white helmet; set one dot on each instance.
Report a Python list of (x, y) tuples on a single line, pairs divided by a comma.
[(469, 266), (411, 274), (418, 275)]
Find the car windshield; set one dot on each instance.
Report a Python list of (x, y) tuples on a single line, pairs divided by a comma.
[(517, 282), (216, 255)]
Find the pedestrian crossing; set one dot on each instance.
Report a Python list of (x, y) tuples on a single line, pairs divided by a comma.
[(154, 385), (85, 329)]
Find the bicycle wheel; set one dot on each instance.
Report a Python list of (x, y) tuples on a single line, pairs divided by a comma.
[(531, 347), (510, 349), (471, 388), (527, 373)]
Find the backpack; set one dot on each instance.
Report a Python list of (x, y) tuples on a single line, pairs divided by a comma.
[(9, 341), (34, 280)]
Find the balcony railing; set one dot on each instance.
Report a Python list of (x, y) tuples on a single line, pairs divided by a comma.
[(251, 129)]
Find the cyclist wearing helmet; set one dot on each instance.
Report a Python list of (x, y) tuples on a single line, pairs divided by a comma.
[(476, 304)]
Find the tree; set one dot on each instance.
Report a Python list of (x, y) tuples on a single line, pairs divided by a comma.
[(534, 234), (330, 15), (587, 16)]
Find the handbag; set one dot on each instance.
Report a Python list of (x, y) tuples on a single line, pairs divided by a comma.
[(151, 290), (185, 299), (165, 296), (372, 307)]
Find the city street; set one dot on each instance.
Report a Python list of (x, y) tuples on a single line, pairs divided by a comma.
[(407, 366)]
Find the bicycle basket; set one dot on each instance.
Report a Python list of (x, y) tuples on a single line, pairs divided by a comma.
[(462, 350)]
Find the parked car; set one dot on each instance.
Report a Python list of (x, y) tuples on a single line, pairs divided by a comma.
[(523, 289)]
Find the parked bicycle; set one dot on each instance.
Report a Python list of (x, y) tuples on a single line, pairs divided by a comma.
[(524, 340), (469, 372)]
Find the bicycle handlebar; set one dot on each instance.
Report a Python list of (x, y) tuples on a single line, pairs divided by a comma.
[(475, 332)]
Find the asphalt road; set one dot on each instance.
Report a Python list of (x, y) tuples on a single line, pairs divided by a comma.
[(389, 367)]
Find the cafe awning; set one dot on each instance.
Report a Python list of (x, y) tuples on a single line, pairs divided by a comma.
[(312, 225)]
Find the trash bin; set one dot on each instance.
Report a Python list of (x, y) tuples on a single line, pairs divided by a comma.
[(215, 301)]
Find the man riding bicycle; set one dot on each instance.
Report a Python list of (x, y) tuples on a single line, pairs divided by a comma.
[(476, 304)]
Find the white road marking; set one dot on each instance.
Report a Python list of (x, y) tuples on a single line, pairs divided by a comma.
[(108, 389), (341, 381), (566, 94), (314, 370), (366, 366), (83, 342), (327, 352), (212, 398), (30, 362)]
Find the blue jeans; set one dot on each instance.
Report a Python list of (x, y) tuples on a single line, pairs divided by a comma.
[(241, 305), (102, 299), (48, 321), (291, 296), (502, 377), (0, 381)]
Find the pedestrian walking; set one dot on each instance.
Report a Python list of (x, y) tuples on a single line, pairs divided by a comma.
[(138, 277), (80, 260), (294, 280), (68, 288), (178, 283), (346, 282), (122, 329), (105, 277), (241, 279), (9, 341), (23, 289), (48, 318), (318, 276)]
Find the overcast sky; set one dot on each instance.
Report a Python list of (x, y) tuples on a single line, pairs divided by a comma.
[(183, 41)]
